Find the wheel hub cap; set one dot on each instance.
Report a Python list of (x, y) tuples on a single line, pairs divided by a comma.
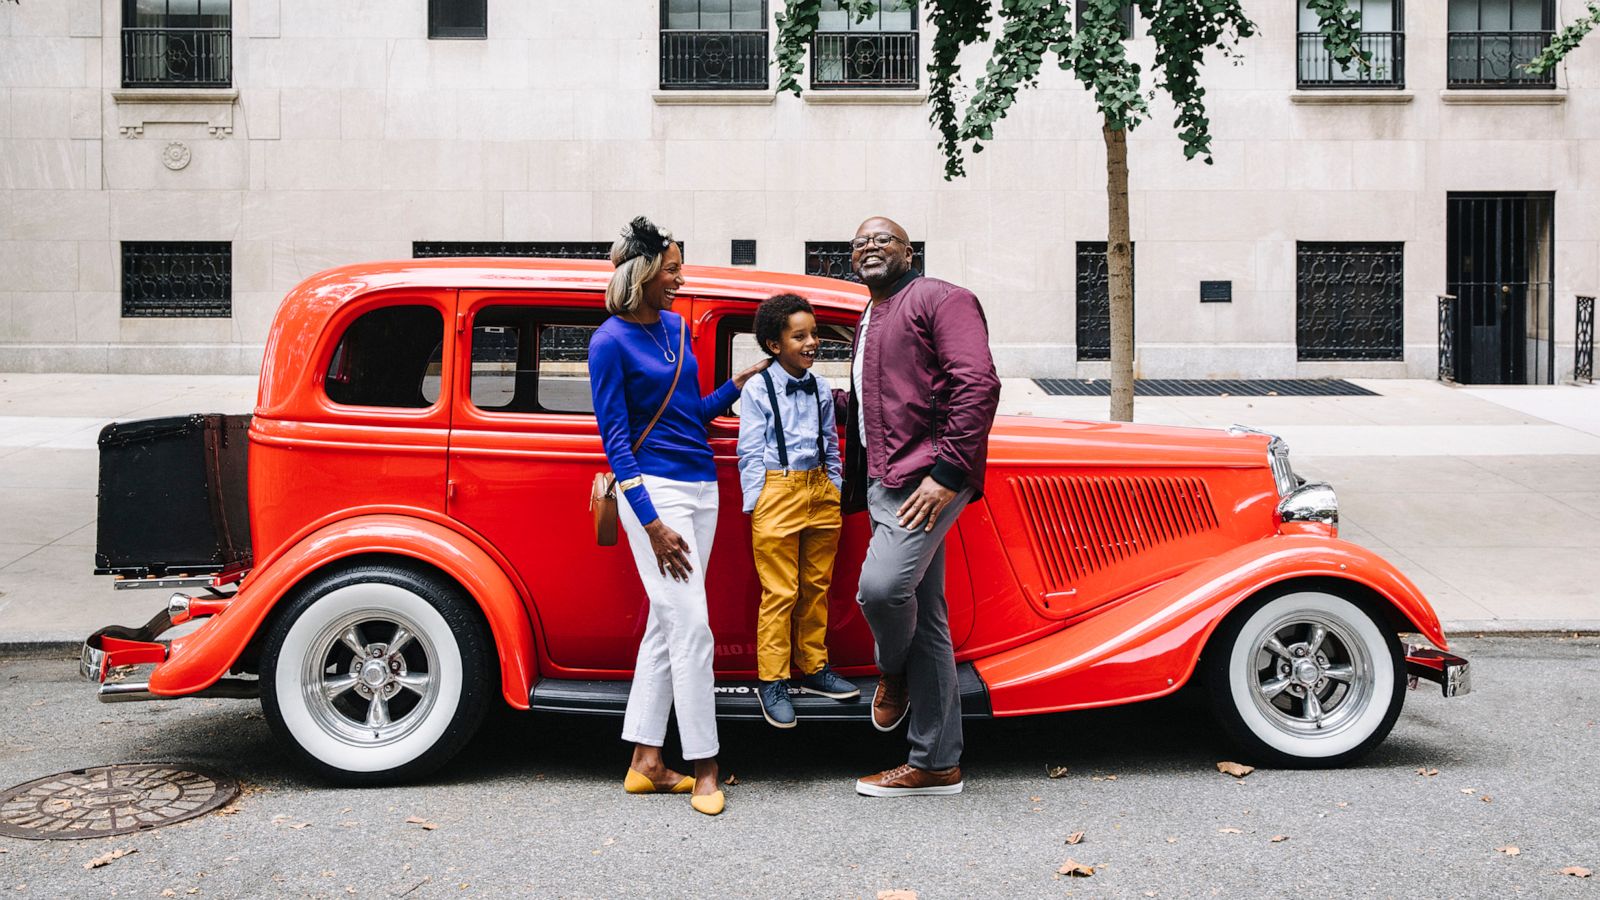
[(374, 673), (1306, 672)]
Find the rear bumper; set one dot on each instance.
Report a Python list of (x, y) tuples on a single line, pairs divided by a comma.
[(1452, 673), (109, 655)]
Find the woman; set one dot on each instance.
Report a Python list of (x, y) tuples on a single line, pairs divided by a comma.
[(670, 517)]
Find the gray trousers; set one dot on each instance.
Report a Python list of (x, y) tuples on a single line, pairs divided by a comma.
[(902, 598)]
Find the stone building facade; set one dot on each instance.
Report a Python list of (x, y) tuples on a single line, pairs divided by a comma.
[(170, 168)]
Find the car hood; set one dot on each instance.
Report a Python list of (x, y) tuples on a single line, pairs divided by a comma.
[(1034, 441)]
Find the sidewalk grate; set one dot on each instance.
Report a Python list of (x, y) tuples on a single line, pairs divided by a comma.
[(1195, 387)]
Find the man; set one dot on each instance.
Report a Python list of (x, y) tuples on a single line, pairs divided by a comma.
[(922, 399)]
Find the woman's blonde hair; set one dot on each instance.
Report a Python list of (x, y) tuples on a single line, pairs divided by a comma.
[(635, 264)]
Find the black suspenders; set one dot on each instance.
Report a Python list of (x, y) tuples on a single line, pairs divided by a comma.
[(777, 425)]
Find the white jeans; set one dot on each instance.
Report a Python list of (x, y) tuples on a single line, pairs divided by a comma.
[(675, 654)]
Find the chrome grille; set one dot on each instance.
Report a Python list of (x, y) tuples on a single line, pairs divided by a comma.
[(1081, 524)]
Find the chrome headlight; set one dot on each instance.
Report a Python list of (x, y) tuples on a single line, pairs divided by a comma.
[(1277, 457), (1315, 502)]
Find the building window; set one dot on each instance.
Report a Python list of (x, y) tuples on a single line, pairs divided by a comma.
[(177, 279), (545, 249), (1383, 39), (461, 19), (878, 52), (1492, 40), (1124, 18), (1349, 301), (1094, 301), (177, 43), (713, 44), (831, 259)]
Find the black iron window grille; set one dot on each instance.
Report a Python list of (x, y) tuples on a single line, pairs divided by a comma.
[(1094, 301), (1490, 43), (1583, 346), (546, 249), (1124, 18), (831, 259), (1447, 337), (1500, 263), (879, 52), (713, 44), (1383, 39), (1350, 301), (177, 43), (458, 19), (170, 279)]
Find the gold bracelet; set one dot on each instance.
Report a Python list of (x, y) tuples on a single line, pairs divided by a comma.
[(631, 483)]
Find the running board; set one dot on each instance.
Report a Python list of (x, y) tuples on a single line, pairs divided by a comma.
[(737, 699)]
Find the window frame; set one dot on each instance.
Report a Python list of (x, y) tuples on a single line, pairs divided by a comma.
[(1394, 34), (135, 252), (474, 32), (153, 38), (1546, 81), (682, 62), (849, 34)]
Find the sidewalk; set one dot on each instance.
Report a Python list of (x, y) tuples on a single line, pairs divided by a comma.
[(1488, 498)]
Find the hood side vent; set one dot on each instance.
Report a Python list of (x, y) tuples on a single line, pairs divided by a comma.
[(1080, 524)]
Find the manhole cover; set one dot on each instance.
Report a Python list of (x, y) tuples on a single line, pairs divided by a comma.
[(107, 800)]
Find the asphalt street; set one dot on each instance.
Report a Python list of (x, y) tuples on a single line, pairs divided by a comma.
[(534, 807)]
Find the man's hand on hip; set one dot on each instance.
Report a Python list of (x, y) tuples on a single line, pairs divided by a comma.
[(923, 507)]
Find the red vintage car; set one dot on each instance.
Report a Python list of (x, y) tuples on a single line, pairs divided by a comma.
[(416, 539)]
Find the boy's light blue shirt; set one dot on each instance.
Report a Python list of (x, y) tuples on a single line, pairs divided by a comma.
[(758, 442)]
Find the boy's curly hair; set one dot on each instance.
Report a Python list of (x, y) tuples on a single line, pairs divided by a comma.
[(772, 316)]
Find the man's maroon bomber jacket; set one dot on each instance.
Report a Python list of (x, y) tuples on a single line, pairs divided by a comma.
[(929, 391)]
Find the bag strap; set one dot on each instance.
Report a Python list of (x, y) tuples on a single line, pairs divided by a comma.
[(777, 421)]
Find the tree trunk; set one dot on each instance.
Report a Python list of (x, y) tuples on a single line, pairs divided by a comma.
[(1119, 269)]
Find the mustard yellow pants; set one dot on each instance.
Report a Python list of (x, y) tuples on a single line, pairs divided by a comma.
[(795, 534)]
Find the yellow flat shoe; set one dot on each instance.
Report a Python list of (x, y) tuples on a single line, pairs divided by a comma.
[(710, 804), (635, 783)]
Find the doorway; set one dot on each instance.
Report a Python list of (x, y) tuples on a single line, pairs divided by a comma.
[(1500, 252)]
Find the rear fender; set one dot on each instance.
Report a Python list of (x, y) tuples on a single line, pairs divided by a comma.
[(199, 659), (1149, 645)]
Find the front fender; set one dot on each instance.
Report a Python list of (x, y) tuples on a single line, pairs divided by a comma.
[(1149, 645), (197, 660)]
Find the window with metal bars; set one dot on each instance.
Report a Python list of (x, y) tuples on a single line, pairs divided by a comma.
[(1383, 39), (713, 44), (831, 259), (458, 19), (171, 279), (545, 249), (1349, 301), (879, 52), (1094, 301), (1490, 42), (177, 43)]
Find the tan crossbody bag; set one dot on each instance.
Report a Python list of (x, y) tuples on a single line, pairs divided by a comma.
[(603, 492)]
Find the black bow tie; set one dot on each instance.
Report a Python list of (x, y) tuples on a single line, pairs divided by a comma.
[(808, 384)]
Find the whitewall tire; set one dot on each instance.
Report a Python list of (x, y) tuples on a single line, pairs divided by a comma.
[(376, 673), (1305, 678)]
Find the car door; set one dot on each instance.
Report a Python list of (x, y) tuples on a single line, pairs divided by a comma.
[(524, 449)]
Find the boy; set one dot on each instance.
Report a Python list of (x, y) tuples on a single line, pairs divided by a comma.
[(790, 473)]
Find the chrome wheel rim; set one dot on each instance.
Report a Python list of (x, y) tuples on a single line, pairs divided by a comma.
[(370, 677), (1311, 675)]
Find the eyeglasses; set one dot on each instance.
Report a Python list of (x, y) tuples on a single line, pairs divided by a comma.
[(881, 239)]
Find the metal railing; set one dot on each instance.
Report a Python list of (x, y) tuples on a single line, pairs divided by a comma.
[(713, 60), (1583, 346), (1447, 337), (1387, 56), (1495, 59), (884, 60), (177, 57), (171, 279)]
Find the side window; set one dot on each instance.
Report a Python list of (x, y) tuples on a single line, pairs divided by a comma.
[(737, 350), (388, 357), (532, 359)]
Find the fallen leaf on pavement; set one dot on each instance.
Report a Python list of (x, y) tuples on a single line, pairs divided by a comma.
[(1234, 769), (1074, 869), (107, 859), (1056, 771), (1469, 790), (734, 779), (897, 894), (1229, 831), (415, 820), (1509, 850), (1034, 799), (1172, 840), (1424, 770), (1576, 872), (169, 892), (1075, 838), (1279, 838), (1486, 798)]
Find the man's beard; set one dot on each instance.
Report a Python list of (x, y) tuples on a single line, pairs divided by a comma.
[(883, 278)]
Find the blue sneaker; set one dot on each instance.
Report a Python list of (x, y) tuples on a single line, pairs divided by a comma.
[(828, 683), (775, 705)]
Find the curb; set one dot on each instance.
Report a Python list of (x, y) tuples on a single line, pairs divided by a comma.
[(1521, 627)]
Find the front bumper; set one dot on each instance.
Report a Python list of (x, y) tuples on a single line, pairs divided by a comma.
[(109, 655), (1452, 673)]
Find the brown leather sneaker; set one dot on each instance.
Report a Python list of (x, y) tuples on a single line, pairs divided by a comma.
[(890, 702), (910, 781)]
